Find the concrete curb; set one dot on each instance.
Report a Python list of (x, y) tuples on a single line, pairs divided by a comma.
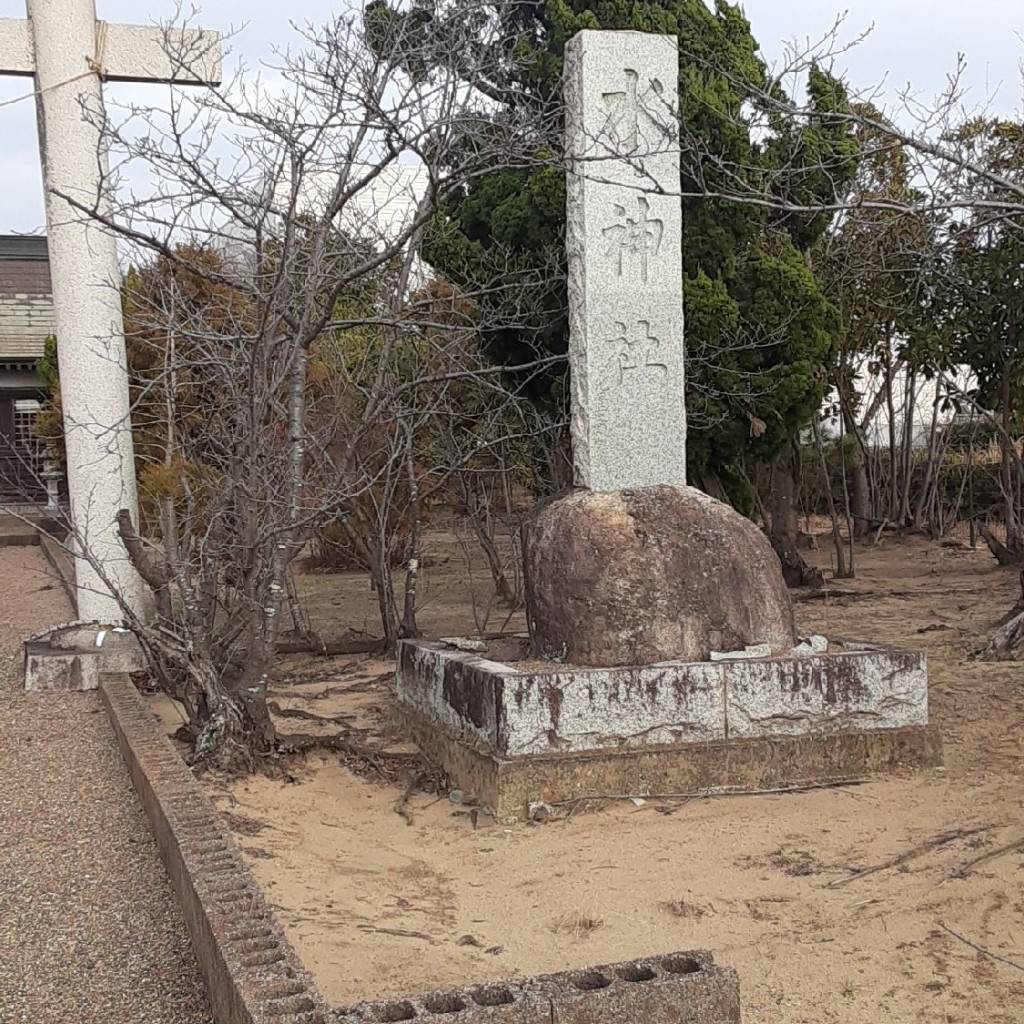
[(62, 564), (252, 974)]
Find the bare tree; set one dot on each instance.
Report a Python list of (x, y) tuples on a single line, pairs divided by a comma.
[(290, 379), (916, 241)]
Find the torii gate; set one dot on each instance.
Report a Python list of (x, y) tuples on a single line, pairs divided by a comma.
[(71, 54)]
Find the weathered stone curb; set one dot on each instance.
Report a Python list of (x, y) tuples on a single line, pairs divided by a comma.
[(62, 564), (26, 538), (679, 988), (252, 974)]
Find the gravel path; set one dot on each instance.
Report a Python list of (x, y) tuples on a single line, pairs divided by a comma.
[(90, 931)]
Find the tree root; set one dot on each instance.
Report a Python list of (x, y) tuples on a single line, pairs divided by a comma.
[(303, 742), (334, 648), (1008, 642), (1005, 554), (308, 716)]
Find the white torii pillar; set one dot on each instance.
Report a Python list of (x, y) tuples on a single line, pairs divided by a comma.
[(70, 54)]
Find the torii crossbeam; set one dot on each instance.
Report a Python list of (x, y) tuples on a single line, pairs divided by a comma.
[(70, 54)]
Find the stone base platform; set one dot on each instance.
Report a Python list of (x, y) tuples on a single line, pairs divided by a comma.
[(514, 733), (16, 531), (74, 656)]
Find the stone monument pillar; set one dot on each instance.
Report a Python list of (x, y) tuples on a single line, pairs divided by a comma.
[(636, 568), (623, 236), (87, 309)]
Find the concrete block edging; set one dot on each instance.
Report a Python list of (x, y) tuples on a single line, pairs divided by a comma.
[(251, 971)]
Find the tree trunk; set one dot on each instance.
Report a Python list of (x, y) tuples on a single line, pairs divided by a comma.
[(412, 566), (512, 519), (479, 508), (907, 455), (850, 530), (560, 464), (931, 468), (1008, 643), (1004, 553), (384, 585), (890, 406), (837, 535), (795, 570), (377, 561), (1014, 540), (300, 620), (860, 491)]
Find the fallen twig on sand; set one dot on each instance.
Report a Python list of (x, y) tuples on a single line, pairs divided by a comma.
[(981, 949), (805, 787), (963, 869), (400, 803), (399, 932), (708, 794), (932, 844), (824, 595)]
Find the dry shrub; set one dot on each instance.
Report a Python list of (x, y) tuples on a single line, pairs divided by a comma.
[(577, 923), (680, 908), (332, 549), (379, 513)]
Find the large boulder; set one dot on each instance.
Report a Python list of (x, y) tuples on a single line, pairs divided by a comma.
[(653, 574)]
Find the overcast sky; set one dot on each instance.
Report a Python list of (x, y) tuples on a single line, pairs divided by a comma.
[(913, 42)]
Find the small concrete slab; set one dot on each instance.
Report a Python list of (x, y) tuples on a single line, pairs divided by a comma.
[(74, 655), (55, 671)]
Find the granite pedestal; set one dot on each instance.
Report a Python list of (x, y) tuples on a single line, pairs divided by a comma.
[(510, 734)]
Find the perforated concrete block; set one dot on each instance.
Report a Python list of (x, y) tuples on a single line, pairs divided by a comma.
[(678, 988)]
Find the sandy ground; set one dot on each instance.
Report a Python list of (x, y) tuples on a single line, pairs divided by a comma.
[(90, 932), (378, 907)]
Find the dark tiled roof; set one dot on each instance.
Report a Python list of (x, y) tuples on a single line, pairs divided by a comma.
[(23, 247)]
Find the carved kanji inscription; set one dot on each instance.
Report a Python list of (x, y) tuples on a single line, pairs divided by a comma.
[(634, 238), (624, 249), (628, 107), (638, 349)]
